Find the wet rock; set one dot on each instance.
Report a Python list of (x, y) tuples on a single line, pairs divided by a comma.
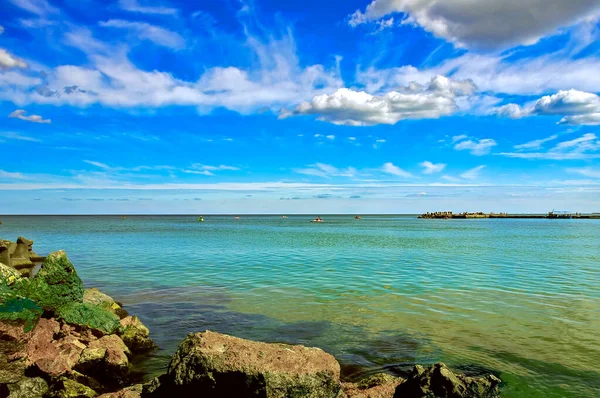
[(67, 388), (56, 284), (380, 385), (129, 392), (136, 335), (96, 297), (106, 360), (439, 381), (89, 315), (34, 387), (215, 365), (5, 253)]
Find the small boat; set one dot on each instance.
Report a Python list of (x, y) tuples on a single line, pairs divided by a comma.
[(201, 219), (358, 218), (236, 217), (283, 216), (123, 217), (318, 219)]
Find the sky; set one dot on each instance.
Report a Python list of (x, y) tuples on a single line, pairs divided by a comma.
[(268, 106)]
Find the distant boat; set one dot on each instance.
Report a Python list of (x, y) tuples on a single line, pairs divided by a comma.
[(123, 217), (318, 219), (201, 219), (358, 218), (236, 217), (281, 217)]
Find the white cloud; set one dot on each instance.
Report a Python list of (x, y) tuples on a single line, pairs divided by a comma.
[(38, 7), (477, 147), (146, 31), (415, 101), (459, 137), (16, 136), (536, 144), (483, 24), (352, 138), (472, 174), (214, 168), (1, 29), (432, 168), (327, 171), (576, 107), (585, 147), (20, 114), (390, 168), (135, 6), (10, 175), (330, 137), (9, 61), (586, 171)]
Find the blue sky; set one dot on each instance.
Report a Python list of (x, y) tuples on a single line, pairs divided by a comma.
[(401, 106)]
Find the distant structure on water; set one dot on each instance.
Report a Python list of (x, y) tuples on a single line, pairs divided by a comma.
[(554, 214)]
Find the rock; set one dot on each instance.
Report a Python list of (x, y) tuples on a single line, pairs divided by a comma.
[(136, 335), (12, 357), (5, 253), (215, 365), (52, 357), (18, 309), (8, 275), (96, 297), (106, 360), (129, 392), (20, 257), (56, 283), (380, 385), (34, 387), (89, 315), (439, 381), (66, 388)]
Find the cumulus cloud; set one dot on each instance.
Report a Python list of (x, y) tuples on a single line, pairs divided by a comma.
[(477, 147), (585, 147), (135, 6), (20, 114), (390, 168), (146, 31), (482, 24), (576, 107), (414, 101), (327, 171), (9, 61), (432, 168)]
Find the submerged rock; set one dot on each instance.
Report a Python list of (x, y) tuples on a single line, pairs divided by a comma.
[(215, 365), (56, 284), (438, 381)]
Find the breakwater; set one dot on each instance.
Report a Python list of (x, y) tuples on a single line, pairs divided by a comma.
[(549, 215)]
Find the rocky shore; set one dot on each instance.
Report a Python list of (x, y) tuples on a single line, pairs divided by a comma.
[(59, 340)]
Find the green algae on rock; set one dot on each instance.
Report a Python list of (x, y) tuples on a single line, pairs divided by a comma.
[(56, 283), (89, 315), (18, 309)]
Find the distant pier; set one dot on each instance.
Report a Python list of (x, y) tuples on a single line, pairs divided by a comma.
[(564, 215)]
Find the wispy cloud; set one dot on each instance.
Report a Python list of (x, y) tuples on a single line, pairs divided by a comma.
[(585, 147), (473, 174), (146, 31), (38, 7), (16, 136), (432, 168), (135, 6), (536, 144), (586, 171), (9, 61), (20, 114), (327, 171), (12, 175), (477, 147), (390, 168)]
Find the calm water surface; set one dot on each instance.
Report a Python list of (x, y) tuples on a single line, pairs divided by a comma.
[(517, 297)]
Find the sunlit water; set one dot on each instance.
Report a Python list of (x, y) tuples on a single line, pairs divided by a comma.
[(520, 298)]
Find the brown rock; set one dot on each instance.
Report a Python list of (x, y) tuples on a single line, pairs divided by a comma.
[(12, 352), (136, 335), (111, 368), (380, 385), (67, 388), (215, 365), (129, 392)]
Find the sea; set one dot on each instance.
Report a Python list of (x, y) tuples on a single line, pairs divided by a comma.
[(516, 297)]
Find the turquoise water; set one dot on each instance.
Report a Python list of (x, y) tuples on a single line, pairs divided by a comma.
[(520, 298)]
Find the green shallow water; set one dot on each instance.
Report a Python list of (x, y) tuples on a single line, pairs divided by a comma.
[(520, 298)]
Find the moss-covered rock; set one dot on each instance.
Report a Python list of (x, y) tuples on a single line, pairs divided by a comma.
[(56, 284), (19, 309), (65, 388), (89, 315), (8, 275), (34, 387), (135, 335)]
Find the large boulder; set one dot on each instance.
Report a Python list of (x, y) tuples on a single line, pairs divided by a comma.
[(96, 297), (12, 358), (67, 388), (438, 381), (106, 360), (215, 365), (89, 315), (5, 252), (17, 309), (56, 283), (8, 275), (136, 335), (21, 256), (380, 385)]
